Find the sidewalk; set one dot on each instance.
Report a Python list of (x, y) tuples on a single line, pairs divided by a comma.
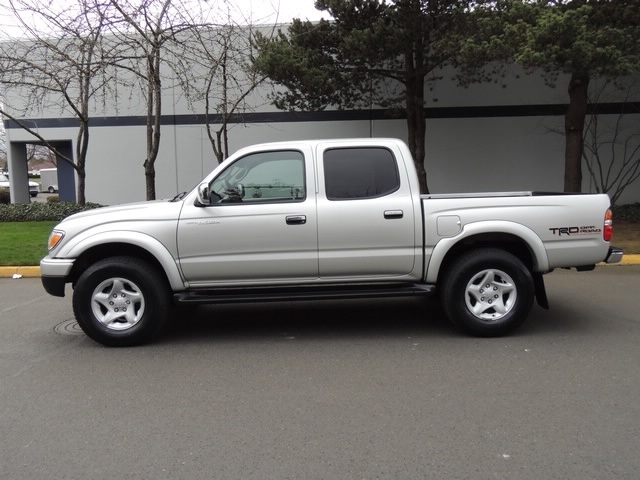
[(34, 272)]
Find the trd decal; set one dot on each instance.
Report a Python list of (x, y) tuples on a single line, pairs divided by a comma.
[(569, 231)]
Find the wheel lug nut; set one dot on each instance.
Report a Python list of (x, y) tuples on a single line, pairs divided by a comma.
[(495, 296), (110, 303)]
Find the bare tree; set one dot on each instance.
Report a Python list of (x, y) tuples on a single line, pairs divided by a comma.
[(612, 146), (58, 62), (224, 75), (150, 33), (3, 148), (158, 42)]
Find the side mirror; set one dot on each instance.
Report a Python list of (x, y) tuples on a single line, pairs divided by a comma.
[(204, 194)]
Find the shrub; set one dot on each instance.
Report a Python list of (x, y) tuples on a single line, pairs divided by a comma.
[(5, 197), (629, 212), (37, 211), (53, 199)]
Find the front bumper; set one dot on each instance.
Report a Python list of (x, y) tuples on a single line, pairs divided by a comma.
[(615, 255), (55, 275), (54, 285)]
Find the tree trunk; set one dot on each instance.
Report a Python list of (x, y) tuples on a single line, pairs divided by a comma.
[(82, 146), (150, 179), (82, 200), (154, 121), (574, 130), (421, 131), (416, 124)]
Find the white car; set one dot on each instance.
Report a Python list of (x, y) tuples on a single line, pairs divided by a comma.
[(34, 187)]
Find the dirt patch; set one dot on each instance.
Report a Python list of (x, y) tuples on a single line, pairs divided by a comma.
[(626, 235)]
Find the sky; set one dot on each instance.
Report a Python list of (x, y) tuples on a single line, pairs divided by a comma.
[(257, 11), (288, 9)]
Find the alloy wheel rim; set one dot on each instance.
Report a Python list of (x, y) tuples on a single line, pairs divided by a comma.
[(118, 304), (490, 295)]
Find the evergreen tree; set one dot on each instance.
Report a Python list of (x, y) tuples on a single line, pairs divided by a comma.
[(372, 52)]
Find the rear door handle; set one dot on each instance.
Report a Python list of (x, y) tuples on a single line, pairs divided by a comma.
[(393, 214), (296, 219)]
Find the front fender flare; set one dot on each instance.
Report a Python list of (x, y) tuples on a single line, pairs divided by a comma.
[(153, 246)]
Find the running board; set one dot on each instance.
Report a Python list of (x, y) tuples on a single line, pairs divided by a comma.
[(294, 292)]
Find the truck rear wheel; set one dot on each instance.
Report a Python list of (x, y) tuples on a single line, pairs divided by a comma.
[(120, 301), (487, 292)]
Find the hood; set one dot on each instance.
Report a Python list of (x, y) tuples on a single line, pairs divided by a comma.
[(156, 219), (139, 211)]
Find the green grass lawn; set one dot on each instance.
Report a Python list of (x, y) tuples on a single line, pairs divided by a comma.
[(23, 243)]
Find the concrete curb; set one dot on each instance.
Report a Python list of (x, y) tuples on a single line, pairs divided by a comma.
[(26, 272), (34, 272)]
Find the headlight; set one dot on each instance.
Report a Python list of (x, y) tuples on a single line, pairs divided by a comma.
[(55, 238)]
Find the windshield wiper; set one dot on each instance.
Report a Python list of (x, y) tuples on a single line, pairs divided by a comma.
[(179, 196)]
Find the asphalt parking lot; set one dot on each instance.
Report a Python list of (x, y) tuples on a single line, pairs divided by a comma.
[(337, 390), (42, 197)]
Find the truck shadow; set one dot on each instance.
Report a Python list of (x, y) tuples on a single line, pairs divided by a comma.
[(564, 317), (350, 319), (336, 319)]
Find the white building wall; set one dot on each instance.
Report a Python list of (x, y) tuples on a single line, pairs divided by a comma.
[(497, 154), (465, 152)]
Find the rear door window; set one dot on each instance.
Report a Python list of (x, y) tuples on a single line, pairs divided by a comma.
[(359, 173)]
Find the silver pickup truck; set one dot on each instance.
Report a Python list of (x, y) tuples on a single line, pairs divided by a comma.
[(323, 219)]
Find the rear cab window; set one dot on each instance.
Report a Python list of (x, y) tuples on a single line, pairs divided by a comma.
[(359, 173)]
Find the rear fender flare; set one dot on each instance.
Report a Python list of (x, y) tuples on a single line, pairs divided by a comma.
[(533, 241)]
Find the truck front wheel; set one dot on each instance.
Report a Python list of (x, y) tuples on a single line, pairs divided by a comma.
[(120, 301), (487, 292)]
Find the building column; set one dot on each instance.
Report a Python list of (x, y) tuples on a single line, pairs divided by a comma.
[(18, 173), (66, 174)]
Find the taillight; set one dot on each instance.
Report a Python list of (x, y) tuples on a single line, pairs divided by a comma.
[(608, 226)]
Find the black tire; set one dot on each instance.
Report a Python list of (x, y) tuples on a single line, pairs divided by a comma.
[(121, 301), (487, 292)]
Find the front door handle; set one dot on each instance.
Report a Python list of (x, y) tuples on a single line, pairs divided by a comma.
[(393, 214), (296, 219)]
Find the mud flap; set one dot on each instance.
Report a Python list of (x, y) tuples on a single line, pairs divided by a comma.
[(541, 292)]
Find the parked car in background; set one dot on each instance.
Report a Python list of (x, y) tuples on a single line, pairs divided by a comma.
[(34, 187)]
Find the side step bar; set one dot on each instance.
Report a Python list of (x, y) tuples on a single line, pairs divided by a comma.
[(293, 292)]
